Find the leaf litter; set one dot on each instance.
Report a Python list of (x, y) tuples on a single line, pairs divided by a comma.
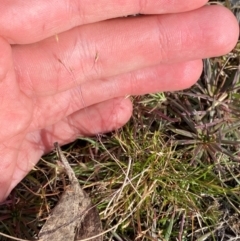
[(74, 217)]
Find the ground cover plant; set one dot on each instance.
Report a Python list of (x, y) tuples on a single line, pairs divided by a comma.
[(172, 173)]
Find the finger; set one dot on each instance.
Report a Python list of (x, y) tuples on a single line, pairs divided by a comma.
[(97, 119), (28, 21), (115, 47), (100, 118), (173, 77)]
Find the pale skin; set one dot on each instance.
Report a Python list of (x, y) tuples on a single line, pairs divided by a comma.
[(53, 63)]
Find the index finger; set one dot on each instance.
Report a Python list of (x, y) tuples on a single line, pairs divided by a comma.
[(28, 21)]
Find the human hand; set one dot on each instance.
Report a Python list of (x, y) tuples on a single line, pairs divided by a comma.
[(46, 79)]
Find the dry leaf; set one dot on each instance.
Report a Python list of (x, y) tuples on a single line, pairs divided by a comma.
[(74, 217)]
